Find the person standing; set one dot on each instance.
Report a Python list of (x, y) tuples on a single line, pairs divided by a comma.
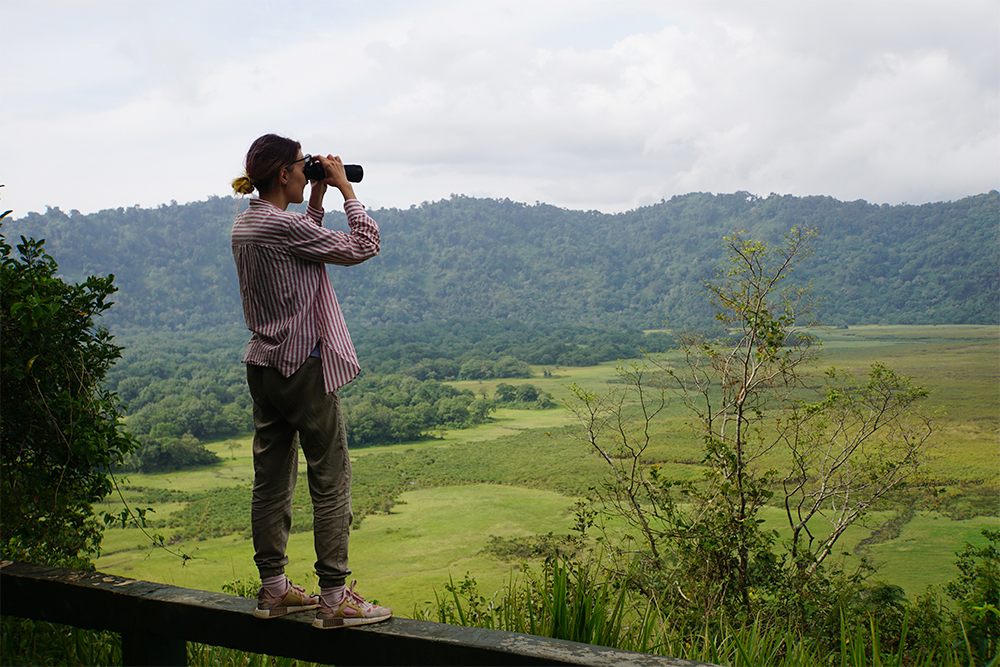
[(299, 354)]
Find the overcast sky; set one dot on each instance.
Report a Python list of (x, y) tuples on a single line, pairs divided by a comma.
[(584, 105)]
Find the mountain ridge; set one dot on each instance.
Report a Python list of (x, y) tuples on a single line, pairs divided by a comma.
[(470, 257)]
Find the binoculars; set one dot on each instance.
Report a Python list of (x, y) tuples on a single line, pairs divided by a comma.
[(314, 170)]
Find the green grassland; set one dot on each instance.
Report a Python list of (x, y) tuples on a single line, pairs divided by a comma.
[(427, 510)]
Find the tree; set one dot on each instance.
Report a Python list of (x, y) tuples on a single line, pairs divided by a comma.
[(704, 543), (60, 428), (506, 393), (848, 452), (232, 446), (731, 381), (527, 393)]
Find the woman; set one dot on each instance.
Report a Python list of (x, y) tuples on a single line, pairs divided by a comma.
[(300, 353)]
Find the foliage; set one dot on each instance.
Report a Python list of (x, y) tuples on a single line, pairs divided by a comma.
[(173, 262), (245, 588), (569, 599), (60, 430), (28, 642), (701, 548), (523, 396), (848, 453), (183, 389), (507, 366), (477, 313), (164, 453), (531, 546), (977, 592), (466, 258), (225, 510), (383, 409), (440, 349), (728, 384), (218, 512), (585, 601)]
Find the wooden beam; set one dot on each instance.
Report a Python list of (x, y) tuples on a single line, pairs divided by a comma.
[(155, 621)]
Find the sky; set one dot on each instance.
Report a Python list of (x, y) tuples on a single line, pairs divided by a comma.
[(585, 105)]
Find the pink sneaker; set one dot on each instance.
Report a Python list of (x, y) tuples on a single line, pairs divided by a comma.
[(353, 610), (295, 599)]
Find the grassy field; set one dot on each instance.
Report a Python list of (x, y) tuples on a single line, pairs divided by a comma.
[(400, 559), (519, 476)]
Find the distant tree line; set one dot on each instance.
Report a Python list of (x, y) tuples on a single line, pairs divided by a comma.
[(471, 258), (484, 348), (182, 389), (383, 409)]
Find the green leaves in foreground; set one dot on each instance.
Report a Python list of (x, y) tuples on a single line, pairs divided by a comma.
[(584, 601), (60, 428)]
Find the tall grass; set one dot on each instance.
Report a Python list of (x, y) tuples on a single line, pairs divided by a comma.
[(582, 602), (28, 642), (567, 600)]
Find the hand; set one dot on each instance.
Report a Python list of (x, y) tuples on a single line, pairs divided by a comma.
[(336, 176)]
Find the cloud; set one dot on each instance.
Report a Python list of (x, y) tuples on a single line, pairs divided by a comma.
[(584, 105)]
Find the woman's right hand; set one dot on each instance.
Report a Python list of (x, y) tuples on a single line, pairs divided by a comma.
[(336, 176)]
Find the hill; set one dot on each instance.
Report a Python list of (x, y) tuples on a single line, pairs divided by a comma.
[(539, 264)]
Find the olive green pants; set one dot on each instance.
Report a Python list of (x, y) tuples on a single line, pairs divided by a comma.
[(284, 408)]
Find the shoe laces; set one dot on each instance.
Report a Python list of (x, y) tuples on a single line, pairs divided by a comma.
[(349, 594)]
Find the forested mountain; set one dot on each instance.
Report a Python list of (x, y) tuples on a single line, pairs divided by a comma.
[(543, 265), (476, 288)]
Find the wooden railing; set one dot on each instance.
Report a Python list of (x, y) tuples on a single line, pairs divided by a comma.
[(156, 621)]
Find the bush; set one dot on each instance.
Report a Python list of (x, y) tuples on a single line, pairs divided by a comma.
[(526, 396), (60, 427), (166, 454), (977, 593)]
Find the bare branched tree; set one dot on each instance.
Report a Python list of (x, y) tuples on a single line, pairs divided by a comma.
[(847, 454), (745, 389)]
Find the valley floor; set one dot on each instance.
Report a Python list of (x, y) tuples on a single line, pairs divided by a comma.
[(520, 476)]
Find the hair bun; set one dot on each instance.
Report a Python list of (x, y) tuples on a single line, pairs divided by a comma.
[(243, 185)]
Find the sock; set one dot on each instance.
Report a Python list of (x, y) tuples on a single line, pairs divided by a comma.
[(276, 586), (333, 596)]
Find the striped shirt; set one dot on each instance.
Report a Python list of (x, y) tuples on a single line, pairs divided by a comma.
[(288, 301)]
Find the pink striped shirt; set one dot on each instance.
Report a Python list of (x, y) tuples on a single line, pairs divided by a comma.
[(288, 301)]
